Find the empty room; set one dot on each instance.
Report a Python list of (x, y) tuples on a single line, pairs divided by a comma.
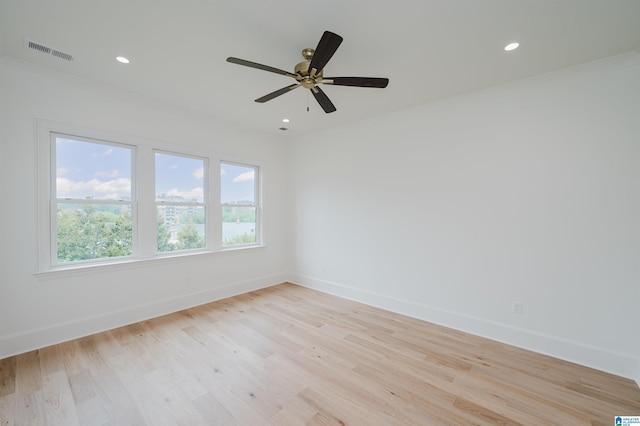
[(296, 213)]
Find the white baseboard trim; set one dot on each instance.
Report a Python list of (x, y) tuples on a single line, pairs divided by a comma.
[(29, 340), (618, 364)]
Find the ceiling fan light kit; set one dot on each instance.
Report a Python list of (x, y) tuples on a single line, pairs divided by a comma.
[(309, 73)]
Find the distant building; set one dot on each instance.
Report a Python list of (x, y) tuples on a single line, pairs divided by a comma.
[(173, 207)]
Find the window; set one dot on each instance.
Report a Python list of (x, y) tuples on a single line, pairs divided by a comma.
[(180, 202), (92, 198), (239, 199), (107, 198)]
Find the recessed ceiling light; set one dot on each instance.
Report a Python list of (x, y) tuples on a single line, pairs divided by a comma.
[(122, 60), (512, 46), (285, 120)]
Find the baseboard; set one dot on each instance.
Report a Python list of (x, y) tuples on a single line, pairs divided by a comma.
[(619, 364), (29, 340)]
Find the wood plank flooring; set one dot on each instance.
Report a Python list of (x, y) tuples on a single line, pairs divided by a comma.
[(287, 355)]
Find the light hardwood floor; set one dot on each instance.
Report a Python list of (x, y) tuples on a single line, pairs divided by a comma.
[(287, 355)]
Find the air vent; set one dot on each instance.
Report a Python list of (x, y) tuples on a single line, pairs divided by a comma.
[(47, 50), (38, 47), (62, 55)]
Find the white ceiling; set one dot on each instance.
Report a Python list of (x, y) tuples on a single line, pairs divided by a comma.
[(429, 49)]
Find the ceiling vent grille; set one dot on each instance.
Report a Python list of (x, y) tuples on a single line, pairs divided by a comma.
[(47, 50), (61, 55)]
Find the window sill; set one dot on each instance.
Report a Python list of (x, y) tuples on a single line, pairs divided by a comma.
[(131, 263)]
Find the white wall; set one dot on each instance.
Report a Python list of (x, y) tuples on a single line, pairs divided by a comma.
[(35, 312), (449, 212), (452, 211)]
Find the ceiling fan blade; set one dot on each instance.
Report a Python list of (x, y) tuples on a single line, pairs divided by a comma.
[(327, 46), (277, 93), (323, 99), (357, 81), (260, 67)]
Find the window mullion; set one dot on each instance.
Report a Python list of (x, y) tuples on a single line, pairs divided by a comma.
[(53, 239), (146, 208), (214, 209)]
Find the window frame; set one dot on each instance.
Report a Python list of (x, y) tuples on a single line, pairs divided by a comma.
[(54, 200), (257, 203), (205, 202), (144, 238)]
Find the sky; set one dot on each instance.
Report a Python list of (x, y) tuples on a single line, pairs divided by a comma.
[(178, 176), (103, 171), (85, 169)]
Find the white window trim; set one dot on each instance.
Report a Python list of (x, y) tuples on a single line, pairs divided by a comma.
[(144, 238)]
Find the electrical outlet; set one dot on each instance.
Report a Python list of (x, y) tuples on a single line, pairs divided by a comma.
[(516, 308)]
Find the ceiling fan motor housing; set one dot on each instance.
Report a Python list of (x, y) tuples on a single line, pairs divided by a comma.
[(302, 69)]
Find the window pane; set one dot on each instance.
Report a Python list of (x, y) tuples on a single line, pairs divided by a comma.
[(92, 170), (237, 184), (181, 227), (93, 231), (238, 225), (179, 179)]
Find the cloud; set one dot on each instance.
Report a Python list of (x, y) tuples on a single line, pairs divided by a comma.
[(173, 167), (103, 154), (112, 189), (60, 140), (223, 172), (121, 185), (198, 173), (61, 171), (195, 193), (244, 177), (108, 173)]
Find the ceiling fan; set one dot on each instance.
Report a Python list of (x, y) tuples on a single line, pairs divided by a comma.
[(308, 74)]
